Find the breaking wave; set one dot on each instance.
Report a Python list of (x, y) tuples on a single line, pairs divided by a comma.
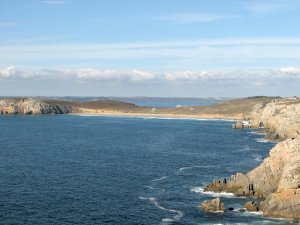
[(214, 194)]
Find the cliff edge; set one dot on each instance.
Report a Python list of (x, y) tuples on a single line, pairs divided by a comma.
[(276, 181), (30, 106)]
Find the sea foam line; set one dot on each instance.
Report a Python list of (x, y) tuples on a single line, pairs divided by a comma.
[(214, 194), (245, 149), (262, 140), (165, 221), (192, 167), (161, 178), (258, 133)]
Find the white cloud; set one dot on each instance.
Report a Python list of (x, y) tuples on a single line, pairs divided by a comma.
[(139, 75), (88, 74), (185, 18), (7, 72), (93, 81), (188, 75), (108, 75), (257, 78), (290, 71)]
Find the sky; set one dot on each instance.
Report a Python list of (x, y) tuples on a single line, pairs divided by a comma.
[(163, 48)]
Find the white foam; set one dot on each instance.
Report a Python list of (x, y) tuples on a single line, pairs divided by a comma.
[(192, 167), (143, 198), (150, 187), (160, 179), (263, 140), (255, 213), (165, 221), (245, 148), (214, 194), (258, 133), (257, 158)]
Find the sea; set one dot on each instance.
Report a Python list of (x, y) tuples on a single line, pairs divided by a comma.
[(73, 169)]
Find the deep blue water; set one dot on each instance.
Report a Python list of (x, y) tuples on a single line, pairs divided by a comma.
[(106, 170)]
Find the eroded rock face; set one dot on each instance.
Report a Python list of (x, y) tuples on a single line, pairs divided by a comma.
[(214, 205), (31, 106), (281, 116), (280, 171), (276, 180), (282, 203), (35, 106)]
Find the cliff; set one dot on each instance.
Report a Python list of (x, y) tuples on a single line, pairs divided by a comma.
[(276, 181), (281, 116), (32, 106)]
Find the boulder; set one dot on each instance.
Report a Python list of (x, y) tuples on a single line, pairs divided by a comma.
[(251, 206), (214, 205)]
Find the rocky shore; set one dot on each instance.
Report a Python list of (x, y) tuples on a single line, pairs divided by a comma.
[(276, 181)]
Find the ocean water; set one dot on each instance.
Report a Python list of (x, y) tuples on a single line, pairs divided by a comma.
[(113, 170)]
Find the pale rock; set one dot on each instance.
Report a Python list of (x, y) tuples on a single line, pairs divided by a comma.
[(214, 205)]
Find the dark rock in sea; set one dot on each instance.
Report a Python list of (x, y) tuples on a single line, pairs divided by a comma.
[(214, 205), (230, 209)]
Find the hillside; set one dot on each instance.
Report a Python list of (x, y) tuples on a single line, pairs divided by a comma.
[(233, 109)]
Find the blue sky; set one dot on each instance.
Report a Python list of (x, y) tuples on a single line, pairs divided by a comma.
[(150, 48)]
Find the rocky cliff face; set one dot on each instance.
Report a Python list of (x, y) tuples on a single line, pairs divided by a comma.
[(281, 116), (33, 106), (276, 181)]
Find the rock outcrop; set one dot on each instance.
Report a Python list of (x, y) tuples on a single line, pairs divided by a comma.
[(214, 205), (251, 206), (276, 181), (32, 106), (281, 116)]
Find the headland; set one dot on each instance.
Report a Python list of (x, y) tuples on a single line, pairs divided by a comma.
[(276, 181)]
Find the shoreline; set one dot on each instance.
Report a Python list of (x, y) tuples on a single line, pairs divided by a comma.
[(275, 182), (157, 116)]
